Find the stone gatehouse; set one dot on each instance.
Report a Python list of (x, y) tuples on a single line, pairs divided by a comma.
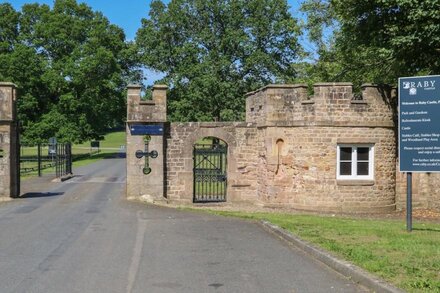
[(332, 151)]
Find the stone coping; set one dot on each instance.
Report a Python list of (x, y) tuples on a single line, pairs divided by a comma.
[(214, 124), (160, 87), (319, 84), (138, 86), (364, 85), (277, 86), (6, 83), (134, 86), (323, 123)]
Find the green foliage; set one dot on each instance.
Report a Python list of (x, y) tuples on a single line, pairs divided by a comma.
[(71, 66), (375, 40), (213, 52)]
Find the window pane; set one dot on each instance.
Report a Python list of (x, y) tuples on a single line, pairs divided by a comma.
[(362, 154), (345, 154), (362, 168), (345, 168)]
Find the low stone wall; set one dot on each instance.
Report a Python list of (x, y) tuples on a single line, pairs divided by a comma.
[(425, 190)]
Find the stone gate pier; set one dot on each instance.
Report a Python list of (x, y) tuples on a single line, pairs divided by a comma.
[(146, 144), (9, 148)]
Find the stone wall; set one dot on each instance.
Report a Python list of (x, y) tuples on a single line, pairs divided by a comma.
[(9, 156), (303, 176), (285, 154), (425, 190)]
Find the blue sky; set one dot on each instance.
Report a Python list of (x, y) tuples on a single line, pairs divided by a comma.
[(127, 15)]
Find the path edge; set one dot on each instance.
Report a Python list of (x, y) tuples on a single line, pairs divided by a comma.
[(345, 268)]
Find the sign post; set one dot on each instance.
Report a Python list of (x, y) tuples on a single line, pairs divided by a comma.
[(409, 202), (419, 129)]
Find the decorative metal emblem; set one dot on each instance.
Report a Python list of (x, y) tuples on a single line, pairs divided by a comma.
[(145, 153)]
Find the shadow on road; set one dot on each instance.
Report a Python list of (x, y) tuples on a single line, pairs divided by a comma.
[(40, 194)]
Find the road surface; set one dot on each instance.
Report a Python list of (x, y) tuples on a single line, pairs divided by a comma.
[(83, 236)]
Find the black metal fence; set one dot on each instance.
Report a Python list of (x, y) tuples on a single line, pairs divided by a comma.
[(36, 158)]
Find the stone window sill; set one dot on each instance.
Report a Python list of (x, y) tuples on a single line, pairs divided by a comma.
[(355, 182)]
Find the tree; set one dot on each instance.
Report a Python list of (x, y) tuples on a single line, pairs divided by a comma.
[(378, 40), (71, 66), (213, 52)]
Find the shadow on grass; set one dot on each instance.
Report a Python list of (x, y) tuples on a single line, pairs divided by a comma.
[(40, 194), (427, 229), (98, 156), (116, 156)]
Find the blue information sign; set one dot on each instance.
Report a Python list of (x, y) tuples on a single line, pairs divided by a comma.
[(419, 124), (142, 129)]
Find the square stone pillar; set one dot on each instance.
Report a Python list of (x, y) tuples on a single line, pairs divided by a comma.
[(9, 146), (146, 136)]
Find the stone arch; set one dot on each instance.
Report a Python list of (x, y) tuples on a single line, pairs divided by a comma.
[(202, 132), (221, 132)]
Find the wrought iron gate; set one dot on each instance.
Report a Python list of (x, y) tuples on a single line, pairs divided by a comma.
[(210, 165), (52, 157), (63, 165)]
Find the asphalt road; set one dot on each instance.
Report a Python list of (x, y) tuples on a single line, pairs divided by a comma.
[(82, 236)]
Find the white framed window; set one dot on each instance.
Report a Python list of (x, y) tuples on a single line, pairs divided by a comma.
[(355, 162)]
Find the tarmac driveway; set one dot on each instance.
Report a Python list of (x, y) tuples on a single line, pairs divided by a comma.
[(83, 236)]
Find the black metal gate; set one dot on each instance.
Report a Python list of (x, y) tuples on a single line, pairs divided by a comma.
[(50, 158), (210, 165), (63, 163)]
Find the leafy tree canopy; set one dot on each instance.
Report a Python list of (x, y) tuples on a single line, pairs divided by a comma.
[(375, 40), (213, 52), (71, 66)]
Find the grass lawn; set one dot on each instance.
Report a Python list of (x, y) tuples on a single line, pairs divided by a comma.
[(410, 261), (112, 140)]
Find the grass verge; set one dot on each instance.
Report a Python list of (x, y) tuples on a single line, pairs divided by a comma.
[(410, 261)]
